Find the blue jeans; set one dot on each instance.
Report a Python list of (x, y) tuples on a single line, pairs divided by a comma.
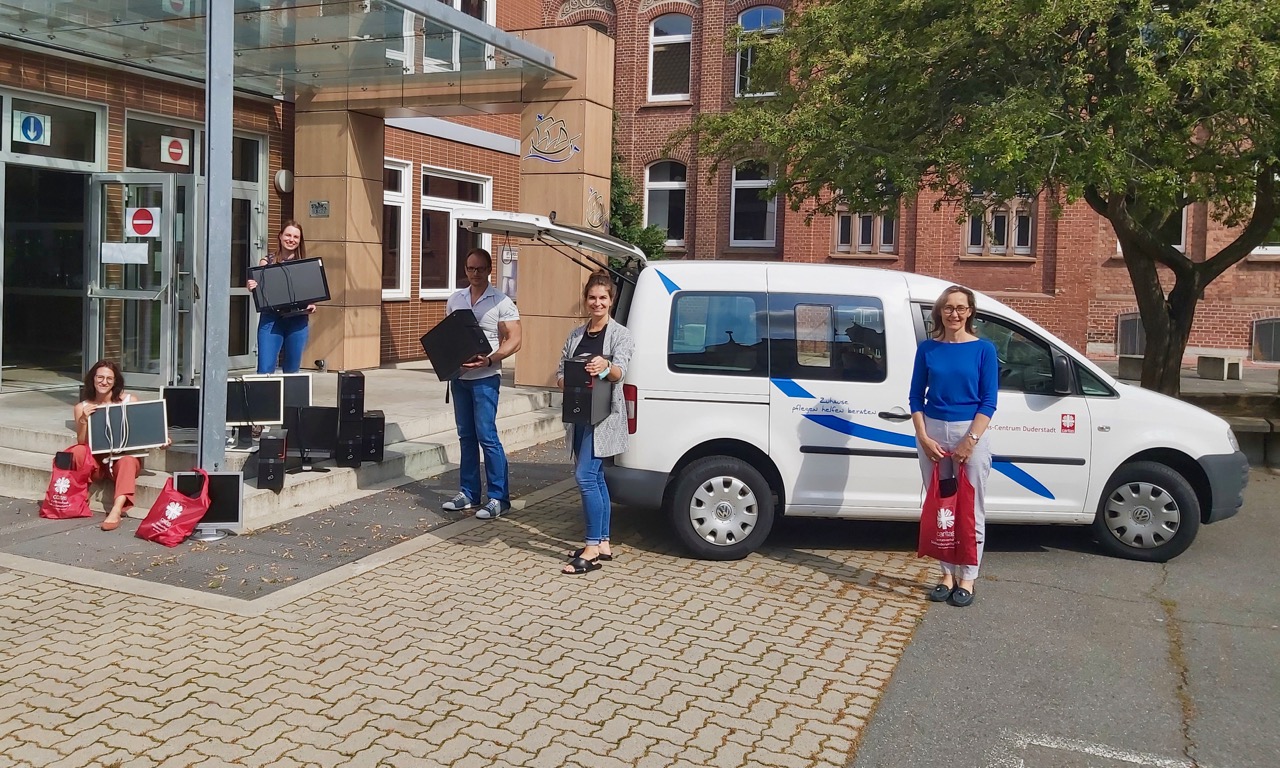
[(475, 409), (276, 333), (588, 470)]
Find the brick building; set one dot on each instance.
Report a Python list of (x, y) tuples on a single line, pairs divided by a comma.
[(1065, 271)]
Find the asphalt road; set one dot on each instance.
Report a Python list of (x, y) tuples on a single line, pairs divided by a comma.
[(1070, 658)]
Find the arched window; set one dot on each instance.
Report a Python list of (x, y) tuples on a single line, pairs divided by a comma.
[(598, 26), (765, 20), (664, 197), (751, 216), (670, 46)]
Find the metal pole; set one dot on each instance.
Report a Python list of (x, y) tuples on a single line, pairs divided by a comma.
[(214, 285)]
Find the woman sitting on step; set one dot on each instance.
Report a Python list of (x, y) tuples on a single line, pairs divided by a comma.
[(104, 385)]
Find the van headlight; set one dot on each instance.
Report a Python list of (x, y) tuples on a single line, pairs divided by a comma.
[(1231, 438)]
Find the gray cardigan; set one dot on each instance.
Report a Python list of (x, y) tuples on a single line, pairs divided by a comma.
[(610, 434)]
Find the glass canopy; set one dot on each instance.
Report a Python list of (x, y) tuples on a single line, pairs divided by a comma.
[(401, 57)]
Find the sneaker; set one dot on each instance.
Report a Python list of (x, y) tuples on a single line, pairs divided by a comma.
[(491, 510), (457, 503)]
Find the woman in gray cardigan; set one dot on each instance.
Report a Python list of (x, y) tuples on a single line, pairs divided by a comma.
[(610, 346)]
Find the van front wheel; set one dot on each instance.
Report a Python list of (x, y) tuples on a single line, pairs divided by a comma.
[(1149, 512), (721, 508)]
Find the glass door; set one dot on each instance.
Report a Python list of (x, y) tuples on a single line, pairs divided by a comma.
[(136, 233)]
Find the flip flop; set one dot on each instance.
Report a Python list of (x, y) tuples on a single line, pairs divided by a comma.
[(581, 566), (602, 556)]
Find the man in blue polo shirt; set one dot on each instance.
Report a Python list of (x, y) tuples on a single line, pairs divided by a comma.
[(475, 390)]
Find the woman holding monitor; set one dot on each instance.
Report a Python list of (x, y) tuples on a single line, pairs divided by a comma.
[(276, 332), (104, 385)]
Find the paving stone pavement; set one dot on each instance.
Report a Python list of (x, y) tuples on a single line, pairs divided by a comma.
[(469, 649)]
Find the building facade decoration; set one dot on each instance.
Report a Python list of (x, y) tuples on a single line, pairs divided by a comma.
[(646, 5), (570, 7), (551, 141)]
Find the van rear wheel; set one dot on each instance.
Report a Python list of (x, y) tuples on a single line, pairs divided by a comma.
[(1149, 512), (721, 508)]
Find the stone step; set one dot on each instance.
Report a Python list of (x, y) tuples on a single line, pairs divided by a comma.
[(400, 427), (25, 474)]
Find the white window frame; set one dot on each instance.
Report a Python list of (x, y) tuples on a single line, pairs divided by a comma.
[(409, 36), (857, 242), (454, 64), (746, 52), (1182, 244), (1013, 217), (7, 154), (447, 205), (401, 200), (1270, 247), (667, 186), (734, 188), (655, 41)]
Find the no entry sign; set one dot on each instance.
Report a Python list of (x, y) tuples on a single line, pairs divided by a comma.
[(142, 222), (175, 151)]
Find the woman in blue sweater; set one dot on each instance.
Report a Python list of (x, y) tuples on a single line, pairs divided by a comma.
[(953, 397)]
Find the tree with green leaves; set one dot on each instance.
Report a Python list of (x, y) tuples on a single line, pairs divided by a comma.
[(626, 214), (1138, 108)]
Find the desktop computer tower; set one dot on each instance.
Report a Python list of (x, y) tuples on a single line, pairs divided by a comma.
[(350, 448), (375, 435), (271, 459), (586, 399), (350, 396)]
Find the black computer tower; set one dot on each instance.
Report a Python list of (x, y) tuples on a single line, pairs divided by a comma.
[(350, 449), (350, 396), (453, 341), (272, 448), (375, 435), (586, 398)]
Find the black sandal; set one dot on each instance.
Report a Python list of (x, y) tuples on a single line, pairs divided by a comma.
[(580, 566), (607, 558)]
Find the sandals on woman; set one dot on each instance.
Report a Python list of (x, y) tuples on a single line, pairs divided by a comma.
[(603, 556), (580, 566)]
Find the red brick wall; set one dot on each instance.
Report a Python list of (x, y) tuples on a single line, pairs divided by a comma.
[(1075, 285)]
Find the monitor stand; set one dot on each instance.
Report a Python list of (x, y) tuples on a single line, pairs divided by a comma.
[(307, 466), (209, 534), (243, 440)]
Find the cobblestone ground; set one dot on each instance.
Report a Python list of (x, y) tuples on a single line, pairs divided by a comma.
[(472, 651)]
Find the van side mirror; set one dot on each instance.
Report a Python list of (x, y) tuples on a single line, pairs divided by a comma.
[(1061, 374)]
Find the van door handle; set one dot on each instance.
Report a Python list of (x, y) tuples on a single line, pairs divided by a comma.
[(891, 416)]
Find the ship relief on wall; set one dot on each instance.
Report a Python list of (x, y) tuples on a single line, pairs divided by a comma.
[(597, 214), (551, 141)]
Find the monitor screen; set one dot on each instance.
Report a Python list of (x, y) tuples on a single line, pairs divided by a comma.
[(313, 430), (290, 285), (297, 389), (182, 405), (128, 427), (255, 401), (226, 498)]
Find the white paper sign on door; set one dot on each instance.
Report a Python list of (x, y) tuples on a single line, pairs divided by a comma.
[(126, 253)]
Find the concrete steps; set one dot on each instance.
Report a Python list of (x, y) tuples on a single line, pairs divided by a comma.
[(417, 447)]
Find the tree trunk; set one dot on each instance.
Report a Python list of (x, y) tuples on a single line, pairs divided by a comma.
[(1166, 320)]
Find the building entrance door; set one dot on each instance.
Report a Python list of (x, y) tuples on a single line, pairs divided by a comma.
[(141, 236)]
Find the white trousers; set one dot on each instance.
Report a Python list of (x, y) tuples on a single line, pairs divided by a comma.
[(948, 434)]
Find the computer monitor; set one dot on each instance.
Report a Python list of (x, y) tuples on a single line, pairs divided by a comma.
[(132, 427), (297, 389), (313, 432), (288, 287), (255, 401), (182, 406), (226, 502)]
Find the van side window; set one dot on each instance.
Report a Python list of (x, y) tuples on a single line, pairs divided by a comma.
[(1091, 385), (826, 338), (720, 334), (1026, 364)]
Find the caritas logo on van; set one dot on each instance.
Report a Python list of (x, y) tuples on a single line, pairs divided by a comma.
[(1069, 423)]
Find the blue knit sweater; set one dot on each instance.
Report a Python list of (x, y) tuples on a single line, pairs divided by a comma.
[(955, 382)]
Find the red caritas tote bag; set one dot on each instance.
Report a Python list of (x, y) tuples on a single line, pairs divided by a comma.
[(947, 529), (175, 515), (68, 493)]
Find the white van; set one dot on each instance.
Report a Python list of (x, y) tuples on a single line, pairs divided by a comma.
[(759, 389)]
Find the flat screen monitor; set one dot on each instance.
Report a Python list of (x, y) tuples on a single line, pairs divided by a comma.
[(182, 406), (289, 286), (132, 427), (226, 500), (297, 389), (313, 431), (255, 401)]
